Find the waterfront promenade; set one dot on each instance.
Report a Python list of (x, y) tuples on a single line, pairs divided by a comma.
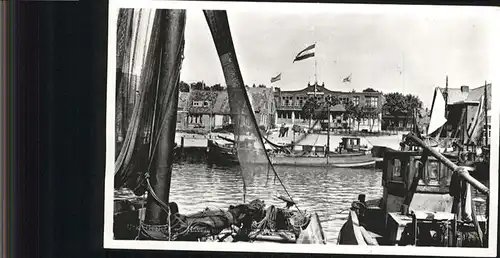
[(200, 140)]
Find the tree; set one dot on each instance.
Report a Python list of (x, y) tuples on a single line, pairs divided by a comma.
[(399, 105), (395, 104), (370, 113), (351, 111), (217, 87), (183, 87), (261, 86), (309, 107), (369, 90), (359, 114), (197, 85), (413, 102)]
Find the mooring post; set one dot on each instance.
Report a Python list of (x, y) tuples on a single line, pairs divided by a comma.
[(182, 144)]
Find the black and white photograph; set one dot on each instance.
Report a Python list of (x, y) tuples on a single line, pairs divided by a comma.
[(309, 128)]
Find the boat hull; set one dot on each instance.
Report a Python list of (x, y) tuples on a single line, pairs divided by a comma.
[(352, 233), (227, 155), (340, 161)]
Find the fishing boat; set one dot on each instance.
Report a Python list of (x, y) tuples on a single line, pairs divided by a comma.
[(462, 132), (426, 202), (145, 170), (349, 154)]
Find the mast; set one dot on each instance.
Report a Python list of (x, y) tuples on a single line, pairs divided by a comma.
[(211, 112), (171, 43), (315, 83), (315, 67), (328, 132), (486, 129)]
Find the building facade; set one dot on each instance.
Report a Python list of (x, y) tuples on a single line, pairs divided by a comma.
[(289, 106), (202, 109), (455, 96)]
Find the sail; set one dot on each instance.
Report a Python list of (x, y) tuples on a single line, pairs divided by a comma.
[(249, 142), (153, 58), (438, 112), (475, 128)]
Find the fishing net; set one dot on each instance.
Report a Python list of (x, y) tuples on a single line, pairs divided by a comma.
[(152, 42)]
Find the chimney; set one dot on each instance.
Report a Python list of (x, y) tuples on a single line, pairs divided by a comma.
[(464, 89)]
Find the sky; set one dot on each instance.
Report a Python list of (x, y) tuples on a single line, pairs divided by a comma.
[(391, 53)]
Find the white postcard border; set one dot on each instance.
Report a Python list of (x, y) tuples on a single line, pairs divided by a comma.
[(110, 243)]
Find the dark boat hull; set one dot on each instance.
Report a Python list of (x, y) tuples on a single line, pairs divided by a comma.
[(223, 154), (219, 154), (352, 233)]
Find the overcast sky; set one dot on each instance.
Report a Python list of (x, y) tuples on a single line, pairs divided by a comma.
[(404, 53)]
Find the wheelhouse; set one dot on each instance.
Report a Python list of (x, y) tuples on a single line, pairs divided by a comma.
[(351, 144)]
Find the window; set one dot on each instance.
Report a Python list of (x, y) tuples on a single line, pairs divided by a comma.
[(355, 100), (396, 165), (432, 173), (344, 99), (371, 101)]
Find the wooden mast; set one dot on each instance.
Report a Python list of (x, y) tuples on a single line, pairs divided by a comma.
[(171, 41)]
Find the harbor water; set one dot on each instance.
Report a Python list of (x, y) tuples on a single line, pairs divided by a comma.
[(196, 185), (327, 191)]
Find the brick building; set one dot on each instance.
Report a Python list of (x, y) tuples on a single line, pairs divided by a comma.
[(289, 106)]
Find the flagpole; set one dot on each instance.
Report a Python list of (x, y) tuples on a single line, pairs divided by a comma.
[(486, 113), (315, 67)]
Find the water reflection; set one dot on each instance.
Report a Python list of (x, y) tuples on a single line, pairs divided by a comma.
[(327, 191)]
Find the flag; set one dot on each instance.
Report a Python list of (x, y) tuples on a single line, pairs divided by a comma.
[(276, 78), (306, 53), (438, 112), (347, 79)]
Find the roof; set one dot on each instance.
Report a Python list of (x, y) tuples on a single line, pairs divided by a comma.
[(261, 99), (456, 94), (321, 89), (217, 97)]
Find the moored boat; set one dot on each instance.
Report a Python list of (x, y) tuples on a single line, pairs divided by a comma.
[(151, 215), (426, 202), (349, 154)]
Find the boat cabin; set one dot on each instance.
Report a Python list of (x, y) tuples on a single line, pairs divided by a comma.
[(428, 197), (350, 144)]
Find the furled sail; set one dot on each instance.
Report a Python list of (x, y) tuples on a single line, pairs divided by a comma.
[(147, 101), (475, 128), (248, 139), (438, 112)]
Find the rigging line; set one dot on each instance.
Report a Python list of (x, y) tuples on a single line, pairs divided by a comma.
[(135, 41), (177, 76), (232, 53), (153, 119), (131, 135)]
